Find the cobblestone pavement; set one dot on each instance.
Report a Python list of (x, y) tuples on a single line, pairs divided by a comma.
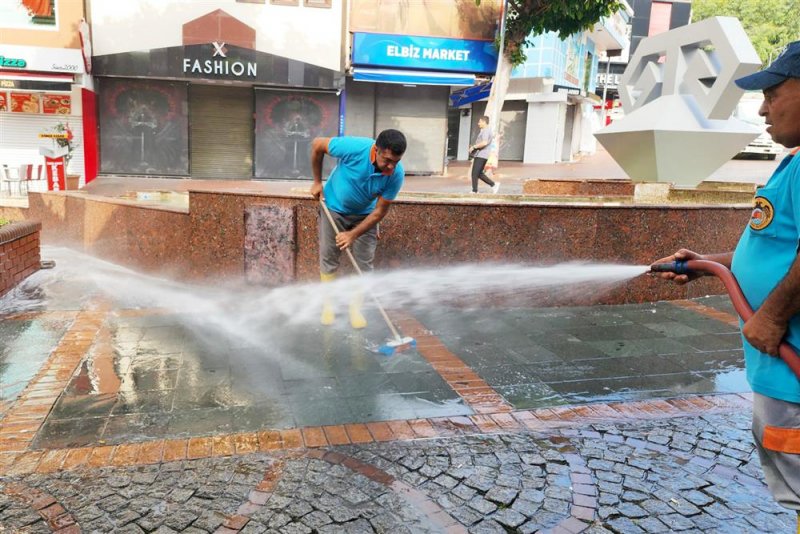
[(678, 474)]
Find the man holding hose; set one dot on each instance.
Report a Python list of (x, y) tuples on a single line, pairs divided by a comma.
[(767, 266), (358, 193)]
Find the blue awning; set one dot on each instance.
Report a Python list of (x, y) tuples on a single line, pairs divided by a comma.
[(470, 94), (412, 77)]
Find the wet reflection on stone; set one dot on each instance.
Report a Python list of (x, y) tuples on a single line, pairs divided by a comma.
[(544, 357), (194, 384), (25, 344), (166, 373)]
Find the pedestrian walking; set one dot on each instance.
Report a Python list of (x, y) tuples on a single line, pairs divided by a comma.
[(481, 150), (767, 267), (358, 193)]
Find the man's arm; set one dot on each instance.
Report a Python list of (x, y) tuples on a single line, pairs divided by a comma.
[(768, 325), (724, 258), (346, 239), (480, 144), (319, 147)]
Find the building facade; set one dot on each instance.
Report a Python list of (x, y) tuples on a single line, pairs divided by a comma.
[(650, 17), (44, 90), (229, 89), (548, 115), (405, 59)]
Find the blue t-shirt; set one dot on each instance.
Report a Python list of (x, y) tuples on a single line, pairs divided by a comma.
[(354, 185), (767, 249)]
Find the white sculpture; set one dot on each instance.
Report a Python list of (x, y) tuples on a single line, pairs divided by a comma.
[(678, 96)]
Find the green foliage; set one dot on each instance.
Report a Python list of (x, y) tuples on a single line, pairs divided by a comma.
[(4, 222), (527, 18), (770, 24)]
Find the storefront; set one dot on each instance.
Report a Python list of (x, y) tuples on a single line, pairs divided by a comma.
[(404, 60), (39, 97), (215, 106), (404, 82)]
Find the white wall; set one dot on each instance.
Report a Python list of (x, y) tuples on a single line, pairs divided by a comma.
[(308, 34), (544, 130), (589, 123)]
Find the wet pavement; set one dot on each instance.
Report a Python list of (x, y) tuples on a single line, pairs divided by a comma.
[(632, 418)]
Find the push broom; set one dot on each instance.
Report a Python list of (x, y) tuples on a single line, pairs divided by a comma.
[(399, 343)]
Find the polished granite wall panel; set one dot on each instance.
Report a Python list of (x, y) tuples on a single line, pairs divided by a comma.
[(269, 245), (209, 242), (578, 187), (153, 240), (216, 242)]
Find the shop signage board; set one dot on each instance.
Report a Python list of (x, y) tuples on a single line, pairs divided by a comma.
[(203, 61), (42, 59), (220, 65), (56, 174), (12, 63), (429, 53)]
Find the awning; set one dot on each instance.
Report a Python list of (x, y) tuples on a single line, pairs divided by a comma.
[(470, 94), (412, 77), (35, 76)]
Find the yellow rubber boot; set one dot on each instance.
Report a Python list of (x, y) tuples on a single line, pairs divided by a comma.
[(328, 316), (357, 320)]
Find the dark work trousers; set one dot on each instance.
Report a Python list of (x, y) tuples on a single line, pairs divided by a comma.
[(363, 249), (477, 172)]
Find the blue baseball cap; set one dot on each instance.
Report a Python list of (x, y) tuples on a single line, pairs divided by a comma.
[(787, 65)]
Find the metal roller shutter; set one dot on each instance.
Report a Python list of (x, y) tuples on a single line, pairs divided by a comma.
[(421, 114), (20, 142), (221, 132), (513, 119)]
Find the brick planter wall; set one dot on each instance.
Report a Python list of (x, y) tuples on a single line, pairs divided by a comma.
[(19, 253)]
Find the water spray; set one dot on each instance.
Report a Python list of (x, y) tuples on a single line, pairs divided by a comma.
[(740, 304), (399, 343)]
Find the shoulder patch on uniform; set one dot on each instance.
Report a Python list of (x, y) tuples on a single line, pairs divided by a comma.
[(762, 214)]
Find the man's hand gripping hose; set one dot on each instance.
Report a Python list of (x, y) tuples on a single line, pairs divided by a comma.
[(741, 305)]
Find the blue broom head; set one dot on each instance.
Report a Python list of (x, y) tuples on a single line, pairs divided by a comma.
[(397, 345)]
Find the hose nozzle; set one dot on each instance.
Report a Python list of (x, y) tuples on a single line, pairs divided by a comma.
[(677, 267)]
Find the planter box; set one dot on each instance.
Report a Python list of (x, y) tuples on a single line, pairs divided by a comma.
[(19, 253)]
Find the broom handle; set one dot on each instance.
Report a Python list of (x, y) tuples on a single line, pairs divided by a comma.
[(358, 270)]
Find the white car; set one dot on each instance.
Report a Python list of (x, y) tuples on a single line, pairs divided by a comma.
[(747, 111)]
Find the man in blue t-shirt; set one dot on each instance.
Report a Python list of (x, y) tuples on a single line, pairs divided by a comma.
[(767, 266), (358, 194)]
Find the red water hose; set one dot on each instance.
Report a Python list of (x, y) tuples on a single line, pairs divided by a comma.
[(741, 305)]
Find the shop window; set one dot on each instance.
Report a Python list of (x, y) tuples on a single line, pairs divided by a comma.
[(286, 124), (284, 2), (317, 3), (144, 128)]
